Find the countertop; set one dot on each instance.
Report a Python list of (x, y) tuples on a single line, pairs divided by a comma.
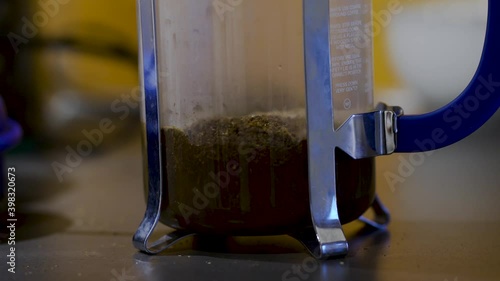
[(445, 224)]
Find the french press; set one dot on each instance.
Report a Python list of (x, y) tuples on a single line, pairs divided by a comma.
[(259, 118)]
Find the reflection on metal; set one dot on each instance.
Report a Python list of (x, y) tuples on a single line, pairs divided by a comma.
[(361, 136), (150, 82)]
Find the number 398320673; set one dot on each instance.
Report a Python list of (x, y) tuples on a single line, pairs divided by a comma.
[(11, 191)]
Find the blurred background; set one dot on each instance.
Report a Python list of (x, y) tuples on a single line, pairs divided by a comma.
[(73, 60), (64, 67), (426, 54)]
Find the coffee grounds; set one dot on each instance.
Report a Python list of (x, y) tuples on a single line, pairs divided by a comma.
[(247, 175)]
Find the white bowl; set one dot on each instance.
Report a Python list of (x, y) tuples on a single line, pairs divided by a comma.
[(436, 47)]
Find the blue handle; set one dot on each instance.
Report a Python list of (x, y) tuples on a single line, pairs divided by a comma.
[(467, 113)]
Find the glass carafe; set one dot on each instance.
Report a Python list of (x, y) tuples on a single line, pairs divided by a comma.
[(232, 118)]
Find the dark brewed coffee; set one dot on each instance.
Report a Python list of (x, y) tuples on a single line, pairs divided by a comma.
[(249, 176)]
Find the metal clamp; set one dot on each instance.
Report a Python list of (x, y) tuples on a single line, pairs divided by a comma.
[(370, 134), (361, 136)]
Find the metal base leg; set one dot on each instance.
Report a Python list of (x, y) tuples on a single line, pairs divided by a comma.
[(382, 216), (310, 237), (324, 243), (141, 242)]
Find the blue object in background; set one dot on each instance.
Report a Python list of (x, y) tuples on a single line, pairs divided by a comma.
[(10, 135)]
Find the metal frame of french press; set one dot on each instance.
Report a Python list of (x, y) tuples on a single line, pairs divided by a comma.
[(381, 132), (361, 136)]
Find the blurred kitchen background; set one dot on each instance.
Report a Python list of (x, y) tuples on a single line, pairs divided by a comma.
[(82, 56), (81, 65)]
